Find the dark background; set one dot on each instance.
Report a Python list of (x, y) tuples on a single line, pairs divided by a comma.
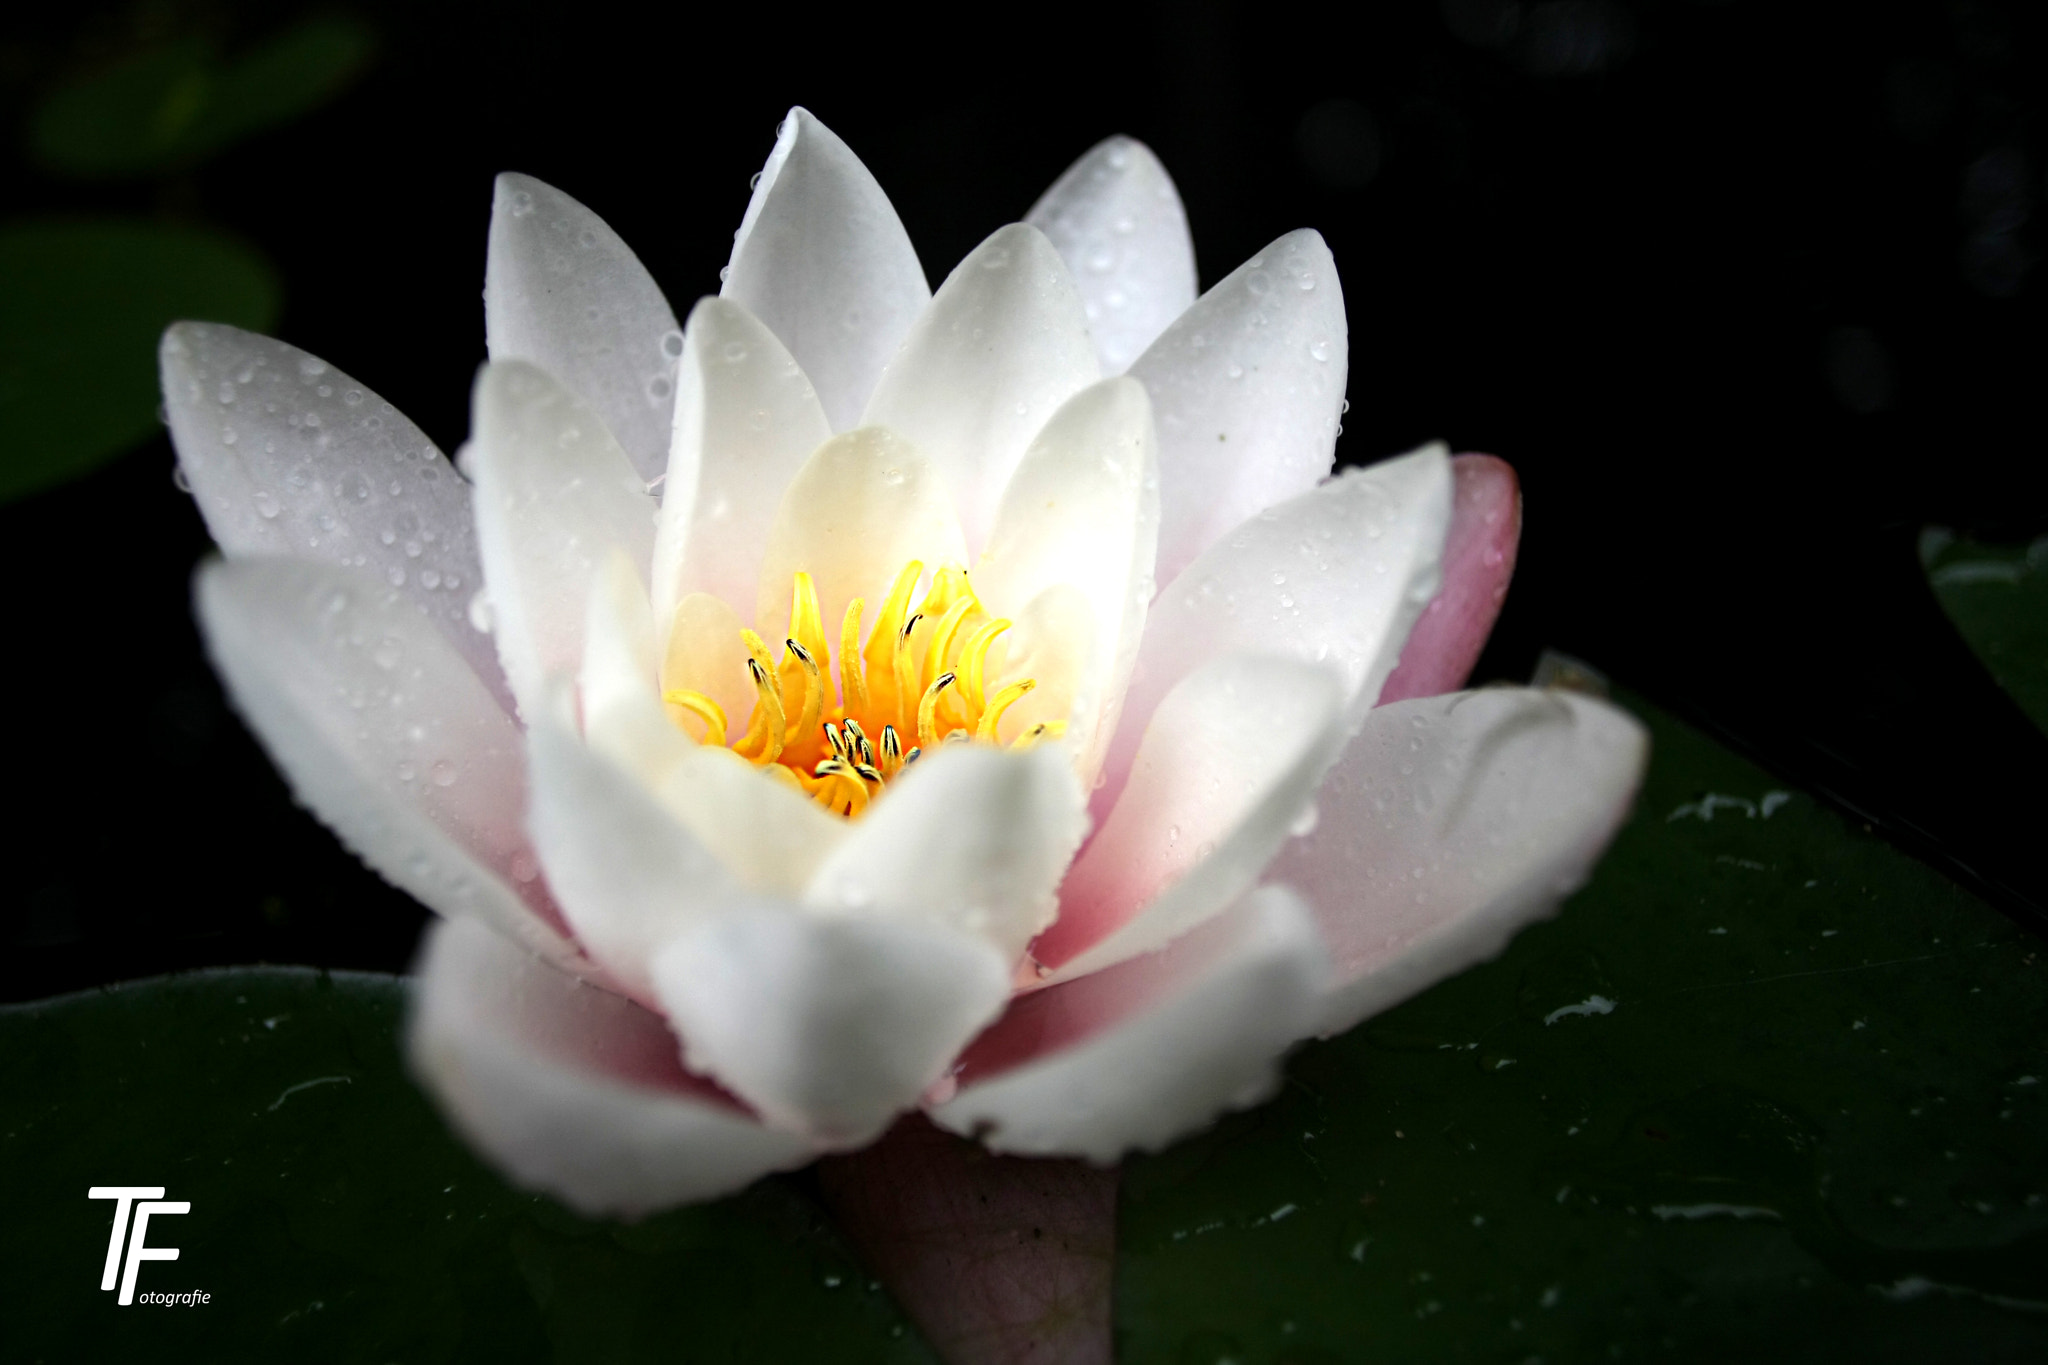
[(1746, 291)]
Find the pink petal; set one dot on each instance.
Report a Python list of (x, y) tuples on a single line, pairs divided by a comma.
[(998, 1260), (1478, 561)]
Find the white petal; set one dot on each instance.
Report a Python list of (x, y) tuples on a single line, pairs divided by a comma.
[(972, 837), (554, 495), (563, 291), (628, 875), (1083, 509), (571, 1090), (1117, 222), (1149, 1050), (1003, 345), (829, 1025), (617, 681), (822, 259), (746, 419), (1449, 823), (385, 734), (1246, 388), (288, 456), (865, 504), (1228, 762), (1336, 576)]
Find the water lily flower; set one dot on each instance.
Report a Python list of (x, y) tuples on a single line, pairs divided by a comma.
[(862, 699)]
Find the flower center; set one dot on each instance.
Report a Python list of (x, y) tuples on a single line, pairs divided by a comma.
[(917, 683)]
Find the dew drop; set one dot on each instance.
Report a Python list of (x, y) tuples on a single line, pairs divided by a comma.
[(267, 505), (892, 475), (178, 479), (1320, 350), (443, 772), (671, 344), (735, 352)]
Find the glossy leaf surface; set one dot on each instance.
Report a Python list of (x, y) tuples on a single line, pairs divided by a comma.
[(1767, 1089), (1997, 596)]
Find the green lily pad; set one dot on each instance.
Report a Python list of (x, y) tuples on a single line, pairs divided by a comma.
[(81, 307), (175, 105), (334, 1219), (1997, 596), (1767, 1089)]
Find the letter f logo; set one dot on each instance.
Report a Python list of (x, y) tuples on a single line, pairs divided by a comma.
[(138, 1248)]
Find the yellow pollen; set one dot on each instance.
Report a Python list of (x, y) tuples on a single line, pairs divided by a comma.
[(920, 673)]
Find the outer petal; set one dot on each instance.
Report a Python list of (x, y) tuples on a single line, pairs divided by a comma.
[(1336, 576), (1083, 509), (1231, 758), (1117, 222), (1450, 823), (1479, 559), (572, 1090), (555, 495), (1149, 1050), (563, 291), (288, 456), (1246, 387), (829, 1025), (1003, 345), (972, 837), (865, 503), (385, 734), (822, 259), (746, 419)]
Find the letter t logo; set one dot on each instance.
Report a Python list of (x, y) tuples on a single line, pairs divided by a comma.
[(127, 1195)]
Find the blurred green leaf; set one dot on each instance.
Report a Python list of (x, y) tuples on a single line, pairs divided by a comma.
[(1997, 596), (1768, 1090), (81, 307), (176, 105), (334, 1219)]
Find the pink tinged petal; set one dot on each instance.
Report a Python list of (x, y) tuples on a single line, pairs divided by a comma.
[(1451, 822), (1003, 345), (554, 495), (996, 1259), (1117, 222), (571, 1090), (1335, 576), (973, 837), (1246, 388), (1151, 1049), (1479, 559), (862, 506), (746, 419), (828, 1025), (822, 259), (288, 456), (385, 733), (563, 291), (1228, 763), (1083, 509), (629, 876)]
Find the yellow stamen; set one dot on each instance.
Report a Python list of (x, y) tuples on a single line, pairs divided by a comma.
[(1004, 700), (814, 694), (853, 684), (892, 752), (973, 654), (927, 711), (702, 707), (903, 667), (1045, 729), (769, 723), (942, 636), (880, 654)]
